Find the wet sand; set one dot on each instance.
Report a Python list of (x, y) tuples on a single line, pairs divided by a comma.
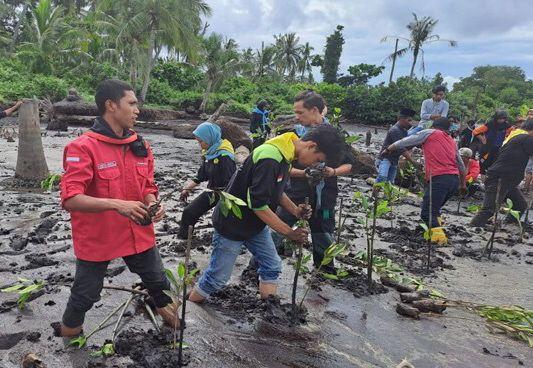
[(342, 330)]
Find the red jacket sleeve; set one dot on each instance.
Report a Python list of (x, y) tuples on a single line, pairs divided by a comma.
[(151, 186), (473, 170), (79, 171)]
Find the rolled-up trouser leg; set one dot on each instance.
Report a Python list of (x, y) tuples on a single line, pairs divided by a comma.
[(225, 252), (85, 291), (264, 251), (149, 266)]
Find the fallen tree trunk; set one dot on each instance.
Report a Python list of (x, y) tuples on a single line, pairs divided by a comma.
[(80, 108)]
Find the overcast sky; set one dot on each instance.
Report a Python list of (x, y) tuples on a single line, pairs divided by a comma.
[(495, 32)]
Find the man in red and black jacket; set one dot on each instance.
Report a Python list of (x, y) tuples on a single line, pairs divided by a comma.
[(107, 187), (445, 171)]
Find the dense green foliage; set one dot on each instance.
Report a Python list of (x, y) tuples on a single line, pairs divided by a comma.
[(49, 46)]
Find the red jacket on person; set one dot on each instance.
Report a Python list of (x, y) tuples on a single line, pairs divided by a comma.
[(104, 167), (440, 152)]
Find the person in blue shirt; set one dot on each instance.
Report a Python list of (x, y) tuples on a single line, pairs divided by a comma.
[(259, 123), (432, 109), (387, 164)]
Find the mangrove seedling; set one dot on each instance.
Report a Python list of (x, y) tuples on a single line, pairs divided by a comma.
[(490, 243), (513, 320), (473, 208), (106, 350), (178, 285), (393, 194), (330, 253), (81, 341), (516, 215), (25, 289), (372, 212), (228, 202), (50, 182), (301, 262)]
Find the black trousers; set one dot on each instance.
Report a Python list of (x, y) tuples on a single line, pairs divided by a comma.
[(89, 281), (322, 226), (196, 209), (508, 190), (443, 188)]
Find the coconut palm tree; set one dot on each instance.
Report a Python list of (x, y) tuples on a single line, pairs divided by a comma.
[(171, 24), (265, 61), (288, 54), (47, 28), (304, 66), (420, 34), (220, 61)]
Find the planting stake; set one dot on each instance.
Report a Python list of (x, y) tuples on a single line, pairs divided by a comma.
[(459, 204), (152, 316), (370, 243), (526, 219), (297, 271), (430, 220), (339, 229), (115, 329), (121, 288), (99, 327), (497, 206), (183, 306)]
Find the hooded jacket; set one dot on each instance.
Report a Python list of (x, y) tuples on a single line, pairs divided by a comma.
[(260, 182), (101, 165)]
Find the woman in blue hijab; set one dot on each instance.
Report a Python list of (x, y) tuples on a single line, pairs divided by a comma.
[(218, 166)]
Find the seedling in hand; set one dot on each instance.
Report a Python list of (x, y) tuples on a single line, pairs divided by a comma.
[(153, 209)]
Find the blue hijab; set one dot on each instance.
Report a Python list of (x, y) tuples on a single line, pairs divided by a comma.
[(212, 135)]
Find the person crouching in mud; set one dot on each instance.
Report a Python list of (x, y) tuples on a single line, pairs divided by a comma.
[(261, 182), (107, 187), (217, 168)]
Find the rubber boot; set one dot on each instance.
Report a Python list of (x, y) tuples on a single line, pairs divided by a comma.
[(438, 236), (169, 313), (267, 289)]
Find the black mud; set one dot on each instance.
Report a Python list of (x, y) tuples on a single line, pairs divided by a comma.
[(149, 349)]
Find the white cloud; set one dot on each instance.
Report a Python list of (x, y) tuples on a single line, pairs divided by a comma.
[(488, 31), (450, 81)]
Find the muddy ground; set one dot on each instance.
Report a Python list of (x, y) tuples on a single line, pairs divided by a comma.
[(346, 325)]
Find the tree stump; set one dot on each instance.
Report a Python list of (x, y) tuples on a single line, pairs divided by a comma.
[(31, 163), (368, 138)]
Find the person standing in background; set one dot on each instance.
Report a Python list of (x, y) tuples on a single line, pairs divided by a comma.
[(433, 108), (259, 123), (10, 111)]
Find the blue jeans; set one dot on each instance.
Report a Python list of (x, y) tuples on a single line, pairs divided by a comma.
[(443, 188), (225, 252), (386, 170)]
